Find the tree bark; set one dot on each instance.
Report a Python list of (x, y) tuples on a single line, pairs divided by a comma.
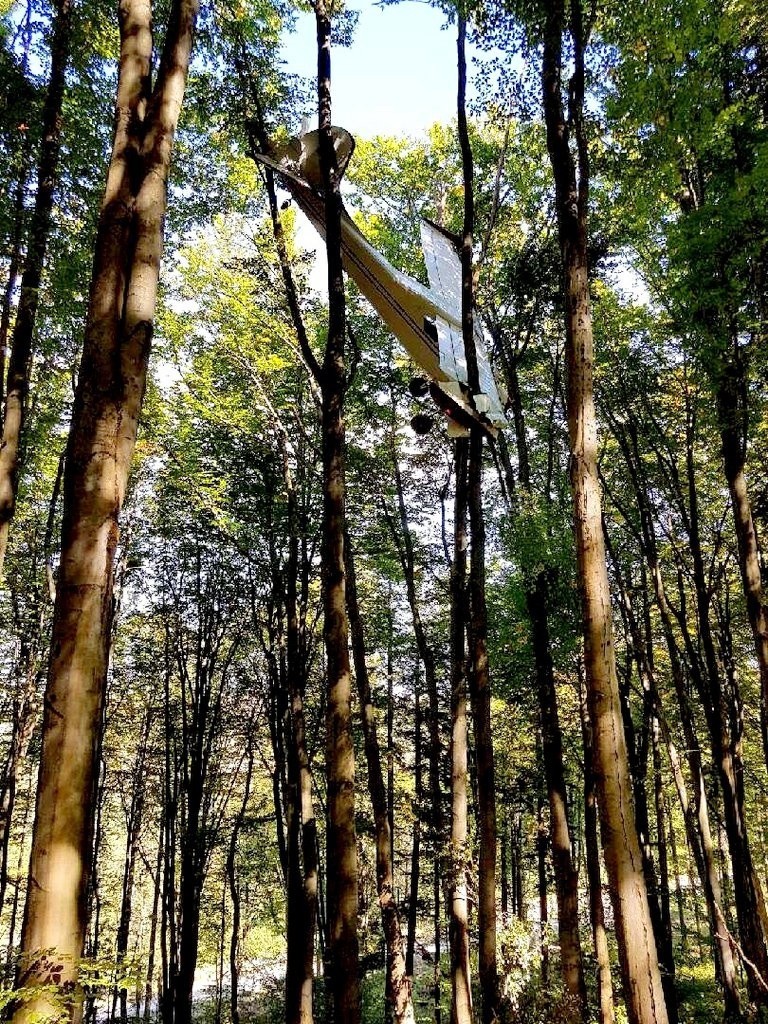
[(134, 823), (479, 677), (461, 988), (101, 441), (342, 885), (20, 361), (696, 815), (15, 259), (637, 952), (537, 605), (734, 462), (302, 854), (542, 842), (413, 883), (436, 834), (156, 893), (234, 890), (566, 877), (398, 985), (596, 910), (724, 718)]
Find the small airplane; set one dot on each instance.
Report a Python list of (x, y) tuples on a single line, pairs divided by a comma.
[(426, 320)]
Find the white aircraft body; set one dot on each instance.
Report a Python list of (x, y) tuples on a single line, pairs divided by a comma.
[(426, 320)]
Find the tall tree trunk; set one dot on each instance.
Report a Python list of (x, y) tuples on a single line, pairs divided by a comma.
[(733, 441), (10, 962), (661, 842), (480, 693), (479, 678), (20, 362), (398, 983), (342, 894), (102, 436), (14, 261), (191, 877), (542, 842), (404, 543), (724, 718), (134, 823), (643, 990), (156, 893), (461, 988), (537, 605), (302, 911), (695, 816), (566, 878), (596, 911), (413, 882), (638, 742), (234, 889), (93, 895), (302, 900), (25, 701), (168, 931)]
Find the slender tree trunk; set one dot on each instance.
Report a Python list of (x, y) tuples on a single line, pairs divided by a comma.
[(734, 460), (566, 878), (480, 692), (302, 857), (596, 911), (190, 892), (413, 884), (537, 605), (638, 743), (504, 875), (219, 1002), (391, 731), (637, 952), (156, 893), (10, 962), (26, 702), (234, 889), (398, 983), (342, 894), (101, 441), (134, 823), (14, 261), (461, 990), (93, 897), (661, 842), (302, 854), (404, 543), (479, 677), (724, 718), (168, 931), (696, 816), (19, 364), (669, 835), (542, 842)]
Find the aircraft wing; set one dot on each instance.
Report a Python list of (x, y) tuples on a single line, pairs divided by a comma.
[(424, 319), (444, 272)]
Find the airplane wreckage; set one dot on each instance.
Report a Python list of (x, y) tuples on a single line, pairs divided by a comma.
[(427, 321)]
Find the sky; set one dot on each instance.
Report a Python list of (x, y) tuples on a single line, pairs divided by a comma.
[(399, 75), (397, 78)]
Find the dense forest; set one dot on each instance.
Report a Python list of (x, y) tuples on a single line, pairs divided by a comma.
[(325, 698)]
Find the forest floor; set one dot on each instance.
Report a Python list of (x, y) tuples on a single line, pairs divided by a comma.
[(535, 1003)]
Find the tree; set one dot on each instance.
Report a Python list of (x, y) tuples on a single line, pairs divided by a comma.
[(637, 953), (340, 754), (16, 392), (101, 441)]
